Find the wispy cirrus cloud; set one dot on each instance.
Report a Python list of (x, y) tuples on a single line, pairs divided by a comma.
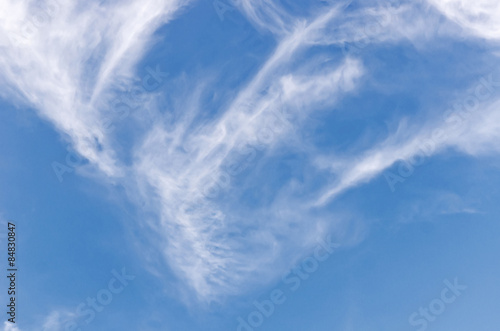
[(63, 58), (70, 68), (225, 250), (472, 129), (481, 18), (55, 321), (7, 326)]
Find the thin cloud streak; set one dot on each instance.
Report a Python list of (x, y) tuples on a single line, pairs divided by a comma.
[(195, 225), (206, 242), (49, 64), (477, 135), (480, 17)]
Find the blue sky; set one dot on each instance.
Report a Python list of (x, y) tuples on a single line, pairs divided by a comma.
[(251, 165)]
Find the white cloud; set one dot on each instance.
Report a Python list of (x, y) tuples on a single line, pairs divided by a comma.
[(435, 203), (266, 15), (62, 56), (475, 131), (7, 326), (481, 17), (209, 245), (55, 321), (216, 249), (66, 66)]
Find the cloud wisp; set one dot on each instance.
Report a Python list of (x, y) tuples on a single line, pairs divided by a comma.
[(184, 166), (195, 222), (64, 58)]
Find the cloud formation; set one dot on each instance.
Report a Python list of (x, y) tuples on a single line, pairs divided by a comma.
[(481, 18), (69, 60), (62, 58)]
